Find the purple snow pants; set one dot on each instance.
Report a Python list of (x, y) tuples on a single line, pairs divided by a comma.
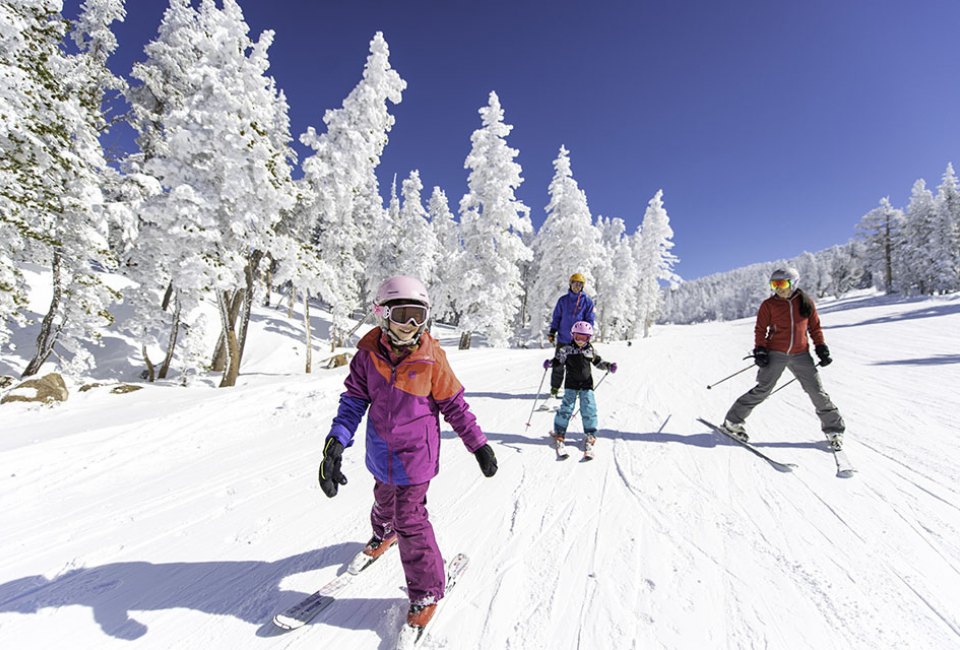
[(403, 508)]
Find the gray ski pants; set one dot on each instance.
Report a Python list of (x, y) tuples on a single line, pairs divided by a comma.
[(803, 368)]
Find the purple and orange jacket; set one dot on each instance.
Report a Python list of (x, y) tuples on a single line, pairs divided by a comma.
[(405, 400)]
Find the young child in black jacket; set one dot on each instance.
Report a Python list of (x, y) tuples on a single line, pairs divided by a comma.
[(577, 357)]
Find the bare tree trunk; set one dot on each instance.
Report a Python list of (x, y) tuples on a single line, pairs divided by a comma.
[(291, 298), (306, 326), (465, 340), (357, 326), (151, 376), (166, 297), (174, 333), (49, 333), (219, 354), (231, 349), (268, 280), (250, 274)]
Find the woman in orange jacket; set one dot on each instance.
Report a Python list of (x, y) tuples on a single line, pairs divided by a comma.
[(780, 337)]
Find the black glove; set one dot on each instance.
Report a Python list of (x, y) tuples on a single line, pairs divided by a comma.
[(761, 357), (331, 478), (552, 337), (823, 352), (487, 460)]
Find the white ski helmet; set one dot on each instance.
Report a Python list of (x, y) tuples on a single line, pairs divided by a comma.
[(786, 273)]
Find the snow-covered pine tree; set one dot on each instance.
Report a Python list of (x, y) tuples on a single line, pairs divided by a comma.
[(217, 137), (52, 167), (381, 260), (444, 285), (882, 231), (492, 223), (416, 249), (947, 273), (566, 243), (916, 259), (616, 280), (342, 173), (652, 244), (29, 37)]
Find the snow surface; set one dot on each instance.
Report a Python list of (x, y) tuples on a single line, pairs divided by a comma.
[(186, 517)]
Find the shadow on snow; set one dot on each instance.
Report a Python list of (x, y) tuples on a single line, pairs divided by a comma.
[(247, 590)]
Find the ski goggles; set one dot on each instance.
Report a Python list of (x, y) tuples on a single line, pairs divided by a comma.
[(403, 314), (780, 284), (581, 337)]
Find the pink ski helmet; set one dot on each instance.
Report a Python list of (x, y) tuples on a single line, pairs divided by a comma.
[(582, 327), (402, 287), (406, 297)]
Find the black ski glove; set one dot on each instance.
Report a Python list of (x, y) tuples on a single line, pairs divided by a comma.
[(331, 478), (761, 357), (823, 352), (552, 336), (487, 460)]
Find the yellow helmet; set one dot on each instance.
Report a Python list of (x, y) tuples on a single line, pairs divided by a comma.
[(578, 277)]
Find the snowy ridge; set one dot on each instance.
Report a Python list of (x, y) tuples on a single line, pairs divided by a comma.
[(188, 517)]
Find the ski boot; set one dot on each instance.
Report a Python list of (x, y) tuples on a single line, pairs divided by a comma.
[(371, 552), (736, 429), (420, 614), (558, 444), (834, 439), (588, 442)]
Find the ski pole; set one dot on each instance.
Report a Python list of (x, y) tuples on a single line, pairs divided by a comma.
[(594, 389), (539, 388), (789, 382), (709, 386)]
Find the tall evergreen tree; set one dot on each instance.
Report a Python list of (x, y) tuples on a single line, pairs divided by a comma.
[(615, 296), (342, 173), (444, 285), (51, 205), (654, 262), (882, 231), (947, 274), (567, 243), (916, 259), (415, 254), (219, 143), (492, 222)]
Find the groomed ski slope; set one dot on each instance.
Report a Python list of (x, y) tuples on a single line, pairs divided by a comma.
[(185, 518)]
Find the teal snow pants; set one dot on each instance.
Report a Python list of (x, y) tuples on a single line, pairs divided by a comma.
[(588, 410)]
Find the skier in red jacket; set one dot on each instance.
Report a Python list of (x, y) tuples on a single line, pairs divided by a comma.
[(780, 337)]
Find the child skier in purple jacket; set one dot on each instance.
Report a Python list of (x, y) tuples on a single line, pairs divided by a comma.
[(402, 375)]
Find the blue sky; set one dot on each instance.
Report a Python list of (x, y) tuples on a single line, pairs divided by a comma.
[(772, 127)]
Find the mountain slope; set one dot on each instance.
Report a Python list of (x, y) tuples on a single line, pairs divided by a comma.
[(185, 517)]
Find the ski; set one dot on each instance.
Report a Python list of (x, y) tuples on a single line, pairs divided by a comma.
[(845, 468), (304, 611), (559, 446), (782, 467), (412, 637)]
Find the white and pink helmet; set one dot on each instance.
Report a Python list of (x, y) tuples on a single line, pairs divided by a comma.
[(402, 287), (402, 299), (582, 327)]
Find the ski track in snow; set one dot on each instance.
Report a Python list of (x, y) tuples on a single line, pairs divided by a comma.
[(187, 518)]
